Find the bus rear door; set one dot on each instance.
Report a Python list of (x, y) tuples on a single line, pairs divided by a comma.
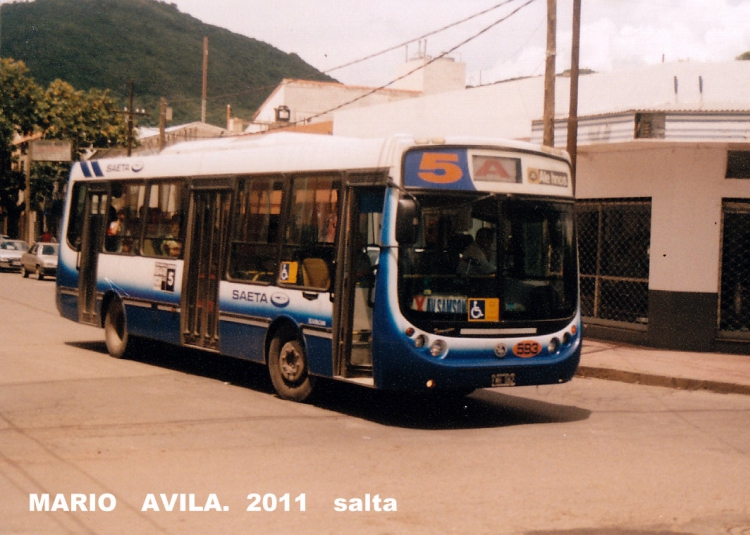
[(208, 225)]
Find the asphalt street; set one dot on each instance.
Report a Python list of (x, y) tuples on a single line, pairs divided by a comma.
[(181, 442)]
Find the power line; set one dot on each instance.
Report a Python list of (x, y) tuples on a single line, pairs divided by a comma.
[(384, 86), (428, 34)]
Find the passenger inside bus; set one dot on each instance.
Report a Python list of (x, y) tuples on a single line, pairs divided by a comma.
[(172, 246), (478, 257)]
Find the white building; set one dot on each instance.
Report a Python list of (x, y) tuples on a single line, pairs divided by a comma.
[(307, 102), (430, 76), (663, 184), (310, 106)]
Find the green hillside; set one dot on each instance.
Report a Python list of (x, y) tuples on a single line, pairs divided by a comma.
[(104, 43)]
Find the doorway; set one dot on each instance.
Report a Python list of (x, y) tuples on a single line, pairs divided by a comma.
[(208, 224)]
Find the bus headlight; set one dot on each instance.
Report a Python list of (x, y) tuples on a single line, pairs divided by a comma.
[(438, 348), (553, 346), (420, 341)]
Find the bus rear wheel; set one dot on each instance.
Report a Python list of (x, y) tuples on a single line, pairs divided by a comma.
[(116, 330), (288, 368)]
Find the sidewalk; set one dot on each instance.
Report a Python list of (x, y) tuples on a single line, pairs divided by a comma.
[(717, 372)]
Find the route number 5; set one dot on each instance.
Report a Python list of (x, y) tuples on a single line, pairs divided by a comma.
[(440, 168)]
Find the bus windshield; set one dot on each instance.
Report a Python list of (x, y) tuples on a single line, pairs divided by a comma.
[(484, 259)]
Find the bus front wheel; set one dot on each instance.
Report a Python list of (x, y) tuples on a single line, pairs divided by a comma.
[(116, 330), (287, 366)]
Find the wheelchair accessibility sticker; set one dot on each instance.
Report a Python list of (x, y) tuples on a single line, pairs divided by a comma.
[(288, 273), (484, 309)]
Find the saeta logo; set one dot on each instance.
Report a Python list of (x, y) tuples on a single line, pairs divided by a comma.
[(279, 300)]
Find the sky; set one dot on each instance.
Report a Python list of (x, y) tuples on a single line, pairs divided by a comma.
[(615, 34)]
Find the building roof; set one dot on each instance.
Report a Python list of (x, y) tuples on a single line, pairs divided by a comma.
[(307, 98), (507, 109)]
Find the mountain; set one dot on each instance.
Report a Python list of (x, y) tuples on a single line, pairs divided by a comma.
[(106, 43)]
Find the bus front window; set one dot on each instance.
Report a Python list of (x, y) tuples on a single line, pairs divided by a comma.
[(515, 257)]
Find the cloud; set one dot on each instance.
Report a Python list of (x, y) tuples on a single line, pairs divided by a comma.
[(616, 35)]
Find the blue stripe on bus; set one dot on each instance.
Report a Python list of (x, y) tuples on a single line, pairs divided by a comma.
[(97, 169), (85, 169)]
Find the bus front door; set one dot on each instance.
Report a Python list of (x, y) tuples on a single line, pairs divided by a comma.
[(208, 219), (92, 241), (358, 254)]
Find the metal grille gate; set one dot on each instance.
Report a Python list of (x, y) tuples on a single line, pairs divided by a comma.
[(734, 301), (614, 238)]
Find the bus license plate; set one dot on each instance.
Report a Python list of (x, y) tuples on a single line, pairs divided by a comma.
[(503, 379)]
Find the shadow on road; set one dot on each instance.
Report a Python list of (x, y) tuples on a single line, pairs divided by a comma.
[(482, 409)]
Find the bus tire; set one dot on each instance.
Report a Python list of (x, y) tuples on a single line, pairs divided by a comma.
[(289, 370), (116, 330)]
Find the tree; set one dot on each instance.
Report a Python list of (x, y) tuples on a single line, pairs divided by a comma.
[(89, 119), (745, 56), (19, 105)]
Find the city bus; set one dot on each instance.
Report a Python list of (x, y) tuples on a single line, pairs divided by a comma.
[(398, 264)]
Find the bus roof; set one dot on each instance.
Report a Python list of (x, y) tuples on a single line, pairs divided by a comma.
[(285, 152)]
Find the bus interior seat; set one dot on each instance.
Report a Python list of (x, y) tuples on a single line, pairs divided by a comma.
[(148, 247), (457, 244), (315, 273)]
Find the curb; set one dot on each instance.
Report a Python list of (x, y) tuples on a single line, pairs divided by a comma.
[(660, 380)]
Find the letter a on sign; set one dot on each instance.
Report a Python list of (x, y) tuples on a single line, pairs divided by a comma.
[(496, 169), (492, 170)]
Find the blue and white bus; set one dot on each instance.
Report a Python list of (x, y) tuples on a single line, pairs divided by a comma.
[(398, 264)]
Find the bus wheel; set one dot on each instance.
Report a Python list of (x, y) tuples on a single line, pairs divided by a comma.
[(116, 330), (287, 366)]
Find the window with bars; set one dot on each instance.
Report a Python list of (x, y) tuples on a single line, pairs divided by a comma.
[(614, 241), (734, 301)]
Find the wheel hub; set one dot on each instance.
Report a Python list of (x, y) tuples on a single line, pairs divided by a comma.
[(291, 363)]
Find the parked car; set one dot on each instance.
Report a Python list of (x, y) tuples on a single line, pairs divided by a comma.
[(41, 259), (10, 253)]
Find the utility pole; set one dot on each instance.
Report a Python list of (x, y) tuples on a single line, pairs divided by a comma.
[(574, 72), (205, 79), (130, 112), (549, 75), (162, 123), (130, 119), (27, 195)]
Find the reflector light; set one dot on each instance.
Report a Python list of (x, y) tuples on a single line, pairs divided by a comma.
[(438, 348)]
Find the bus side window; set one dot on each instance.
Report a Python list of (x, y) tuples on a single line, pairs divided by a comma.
[(310, 233), (124, 230), (115, 219), (253, 247), (164, 221), (76, 216)]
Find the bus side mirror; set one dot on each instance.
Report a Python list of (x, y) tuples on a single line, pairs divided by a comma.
[(407, 221)]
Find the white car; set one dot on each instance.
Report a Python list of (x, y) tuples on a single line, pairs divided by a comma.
[(10, 253), (41, 260)]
